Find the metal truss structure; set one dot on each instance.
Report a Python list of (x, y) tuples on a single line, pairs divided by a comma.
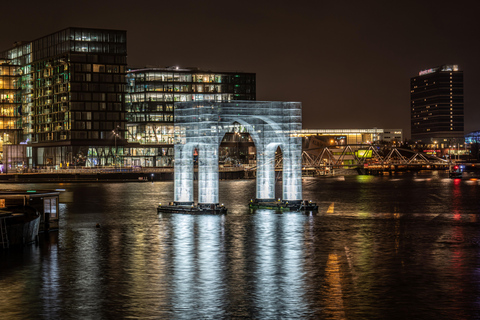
[(361, 155)]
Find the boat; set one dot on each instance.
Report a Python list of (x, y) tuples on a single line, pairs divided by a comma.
[(19, 225), (456, 171), (44, 201)]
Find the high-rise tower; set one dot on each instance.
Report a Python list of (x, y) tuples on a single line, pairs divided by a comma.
[(436, 102)]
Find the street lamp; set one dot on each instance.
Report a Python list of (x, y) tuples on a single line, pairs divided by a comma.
[(236, 139), (115, 133)]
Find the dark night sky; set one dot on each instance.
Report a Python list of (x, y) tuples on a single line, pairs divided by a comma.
[(348, 62)]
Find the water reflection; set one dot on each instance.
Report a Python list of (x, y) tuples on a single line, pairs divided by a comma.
[(334, 307), (183, 273), (211, 262), (404, 247), (279, 259), (84, 273)]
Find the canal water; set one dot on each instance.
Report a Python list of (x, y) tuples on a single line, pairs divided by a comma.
[(392, 247)]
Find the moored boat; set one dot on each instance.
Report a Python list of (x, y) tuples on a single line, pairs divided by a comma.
[(19, 225)]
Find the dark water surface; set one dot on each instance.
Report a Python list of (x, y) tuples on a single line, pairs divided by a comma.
[(401, 247)]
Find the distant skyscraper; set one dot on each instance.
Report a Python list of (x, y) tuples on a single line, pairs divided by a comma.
[(436, 102)]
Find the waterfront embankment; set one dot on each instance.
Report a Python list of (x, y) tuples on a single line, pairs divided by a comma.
[(106, 175)]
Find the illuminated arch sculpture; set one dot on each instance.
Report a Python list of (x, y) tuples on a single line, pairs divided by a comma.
[(202, 125)]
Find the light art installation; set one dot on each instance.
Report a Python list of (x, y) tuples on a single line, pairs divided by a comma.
[(202, 125)]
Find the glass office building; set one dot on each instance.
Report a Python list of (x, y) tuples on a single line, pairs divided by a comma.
[(150, 102), (74, 103), (72, 91)]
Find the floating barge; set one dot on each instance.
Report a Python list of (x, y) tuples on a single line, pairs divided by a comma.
[(45, 201), (299, 206), (19, 225), (192, 209)]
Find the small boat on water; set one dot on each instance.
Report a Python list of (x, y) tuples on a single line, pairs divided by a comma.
[(456, 171)]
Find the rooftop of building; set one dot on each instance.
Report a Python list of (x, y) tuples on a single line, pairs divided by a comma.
[(24, 42), (180, 69), (445, 67)]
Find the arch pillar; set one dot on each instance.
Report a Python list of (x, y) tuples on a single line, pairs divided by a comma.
[(183, 172), (265, 174), (292, 170), (208, 174)]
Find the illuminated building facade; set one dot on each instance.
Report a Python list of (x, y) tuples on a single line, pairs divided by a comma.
[(151, 99), (437, 116), (72, 90), (473, 137), (332, 137), (10, 112), (77, 105)]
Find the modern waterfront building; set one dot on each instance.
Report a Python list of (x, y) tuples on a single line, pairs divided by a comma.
[(10, 113), (150, 102), (437, 116), (473, 137), (65, 101), (71, 86), (331, 137)]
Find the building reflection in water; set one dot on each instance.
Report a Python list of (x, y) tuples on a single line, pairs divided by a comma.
[(85, 291), (50, 289), (334, 308), (238, 268)]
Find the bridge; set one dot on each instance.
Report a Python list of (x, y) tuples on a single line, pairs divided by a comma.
[(362, 158), (367, 159)]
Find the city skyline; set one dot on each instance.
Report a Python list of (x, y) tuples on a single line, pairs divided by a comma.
[(348, 63)]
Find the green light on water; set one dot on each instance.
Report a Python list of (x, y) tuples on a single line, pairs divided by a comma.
[(364, 215)]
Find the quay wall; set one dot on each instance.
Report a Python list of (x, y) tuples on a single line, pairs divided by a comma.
[(143, 176)]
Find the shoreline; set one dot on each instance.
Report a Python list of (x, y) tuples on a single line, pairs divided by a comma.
[(140, 176)]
